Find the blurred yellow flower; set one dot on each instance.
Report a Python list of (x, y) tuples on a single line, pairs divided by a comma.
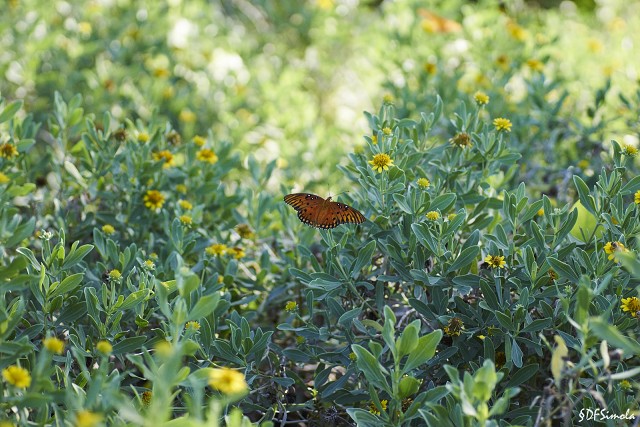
[(53, 345), (237, 252), (8, 151), (291, 306), (629, 150), (186, 219), (535, 64), (187, 116), (104, 347), (181, 188), (4, 178), (108, 229), (115, 274), (199, 141), (17, 376), (228, 381), (165, 156), (612, 247), (207, 155), (143, 137), (86, 418), (185, 205), (481, 98), (424, 182), (374, 410), (216, 249), (153, 199)]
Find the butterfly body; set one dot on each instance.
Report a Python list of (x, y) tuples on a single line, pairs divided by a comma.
[(322, 213)]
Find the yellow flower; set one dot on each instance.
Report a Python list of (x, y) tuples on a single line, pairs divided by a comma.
[(187, 116), (199, 141), (174, 138), (149, 265), (8, 151), (629, 150), (387, 99), (387, 131), (207, 155), (381, 162), (632, 305), (430, 68), (433, 215), (143, 137), (153, 199), (291, 306), (502, 61), (455, 327), (228, 381), (244, 230), (481, 98), (300, 340), (374, 410), (181, 188), (17, 376), (53, 345), (108, 229), (186, 220), (424, 182), (164, 348), (185, 205), (502, 124), (374, 139), (516, 31), (540, 212), (535, 64), (461, 140), (166, 156), (553, 276), (4, 178), (625, 385), (612, 247), (84, 28), (583, 164), (495, 261), (237, 252), (104, 347), (595, 45), (86, 418), (216, 249), (353, 357), (451, 216), (636, 197), (192, 325), (115, 275)]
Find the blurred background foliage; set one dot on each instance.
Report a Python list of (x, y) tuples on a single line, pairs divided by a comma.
[(290, 80)]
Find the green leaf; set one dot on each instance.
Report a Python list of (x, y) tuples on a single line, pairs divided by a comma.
[(128, 345), (408, 340), (204, 307), (537, 325), (563, 269), (443, 202), (364, 258), (67, 285), (606, 331), (134, 299), (10, 110), (631, 186), (375, 373), (76, 255), (523, 374), (424, 351), (465, 259)]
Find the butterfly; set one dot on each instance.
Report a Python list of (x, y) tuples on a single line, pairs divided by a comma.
[(322, 213)]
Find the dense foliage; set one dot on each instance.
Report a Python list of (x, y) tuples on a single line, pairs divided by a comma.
[(152, 274)]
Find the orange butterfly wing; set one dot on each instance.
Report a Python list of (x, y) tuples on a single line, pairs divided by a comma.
[(322, 213)]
